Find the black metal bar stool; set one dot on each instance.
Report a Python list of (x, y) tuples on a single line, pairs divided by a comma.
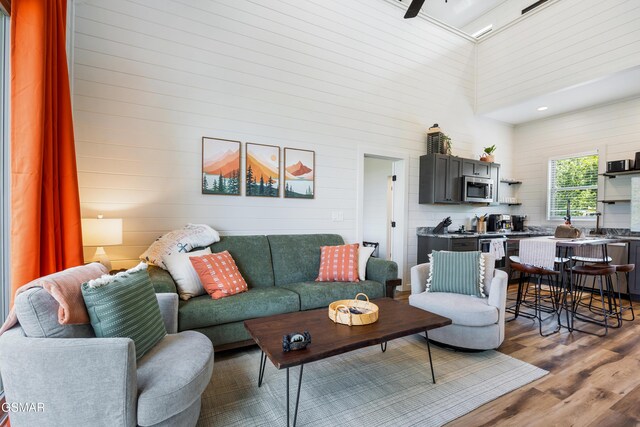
[(621, 268), (626, 269), (526, 273), (601, 275)]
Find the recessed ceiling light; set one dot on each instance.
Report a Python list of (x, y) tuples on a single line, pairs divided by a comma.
[(543, 108)]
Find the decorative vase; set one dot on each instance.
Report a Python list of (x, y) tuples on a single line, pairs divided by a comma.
[(487, 158)]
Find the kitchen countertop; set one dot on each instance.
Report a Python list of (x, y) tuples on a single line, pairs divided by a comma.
[(537, 231), (427, 232)]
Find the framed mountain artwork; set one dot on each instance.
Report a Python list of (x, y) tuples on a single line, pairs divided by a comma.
[(299, 173), (262, 172), (220, 166)]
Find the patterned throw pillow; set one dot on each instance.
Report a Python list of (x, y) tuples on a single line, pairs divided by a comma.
[(219, 274), (176, 241), (338, 263), (125, 305), (456, 272)]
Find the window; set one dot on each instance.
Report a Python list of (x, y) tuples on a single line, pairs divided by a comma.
[(573, 179)]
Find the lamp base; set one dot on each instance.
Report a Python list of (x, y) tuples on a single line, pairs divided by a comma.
[(101, 257)]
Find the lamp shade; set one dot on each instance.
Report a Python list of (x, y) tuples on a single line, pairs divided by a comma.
[(101, 231)]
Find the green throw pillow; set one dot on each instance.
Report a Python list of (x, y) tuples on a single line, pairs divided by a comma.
[(456, 272), (125, 305)]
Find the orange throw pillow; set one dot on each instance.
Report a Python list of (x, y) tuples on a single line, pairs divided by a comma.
[(219, 274), (338, 263)]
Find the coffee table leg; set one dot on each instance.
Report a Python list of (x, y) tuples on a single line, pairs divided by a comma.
[(383, 346), (295, 412), (263, 364), (433, 376)]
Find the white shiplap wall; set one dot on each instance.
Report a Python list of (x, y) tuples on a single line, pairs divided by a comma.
[(613, 130), (335, 76), (568, 43)]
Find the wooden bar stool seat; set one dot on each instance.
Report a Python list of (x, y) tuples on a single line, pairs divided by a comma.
[(601, 274), (526, 272)]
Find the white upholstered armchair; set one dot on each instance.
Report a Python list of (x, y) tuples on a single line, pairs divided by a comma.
[(478, 323)]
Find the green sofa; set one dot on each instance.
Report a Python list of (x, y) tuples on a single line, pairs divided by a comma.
[(280, 271)]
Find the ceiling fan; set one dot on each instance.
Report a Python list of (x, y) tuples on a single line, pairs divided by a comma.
[(414, 8)]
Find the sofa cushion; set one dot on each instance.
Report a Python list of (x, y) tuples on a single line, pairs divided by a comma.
[(252, 256), (296, 258), (173, 375), (219, 274), (338, 263), (37, 312), (125, 305), (456, 272), (183, 240), (202, 311), (186, 279), (321, 294), (464, 310)]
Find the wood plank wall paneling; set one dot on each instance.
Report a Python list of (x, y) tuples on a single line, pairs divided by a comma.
[(582, 40), (152, 77), (612, 129)]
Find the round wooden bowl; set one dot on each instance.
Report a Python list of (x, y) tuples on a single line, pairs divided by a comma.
[(339, 311)]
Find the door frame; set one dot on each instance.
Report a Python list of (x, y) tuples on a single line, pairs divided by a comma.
[(401, 161)]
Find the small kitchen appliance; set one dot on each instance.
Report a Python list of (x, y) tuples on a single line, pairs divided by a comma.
[(517, 222), (620, 165)]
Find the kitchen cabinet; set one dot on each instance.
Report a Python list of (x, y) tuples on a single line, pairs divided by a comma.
[(426, 244), (440, 179), (634, 276), (476, 168)]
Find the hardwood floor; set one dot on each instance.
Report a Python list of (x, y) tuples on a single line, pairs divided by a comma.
[(592, 381)]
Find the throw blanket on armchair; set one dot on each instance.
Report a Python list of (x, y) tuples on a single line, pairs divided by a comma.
[(64, 287)]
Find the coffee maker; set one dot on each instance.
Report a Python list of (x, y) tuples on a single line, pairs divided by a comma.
[(493, 222), (505, 222), (498, 222), (518, 222)]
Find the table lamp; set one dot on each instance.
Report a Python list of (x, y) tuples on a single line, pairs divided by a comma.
[(101, 232)]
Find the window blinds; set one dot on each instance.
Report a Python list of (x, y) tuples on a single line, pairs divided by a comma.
[(573, 179)]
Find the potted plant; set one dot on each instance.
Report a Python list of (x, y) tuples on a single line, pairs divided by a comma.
[(487, 156)]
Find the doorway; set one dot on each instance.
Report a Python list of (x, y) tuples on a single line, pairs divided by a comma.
[(382, 207)]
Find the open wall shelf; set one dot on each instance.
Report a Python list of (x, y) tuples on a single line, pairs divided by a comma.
[(614, 174), (613, 202)]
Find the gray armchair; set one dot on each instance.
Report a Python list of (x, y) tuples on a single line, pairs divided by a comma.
[(477, 323), (97, 382)]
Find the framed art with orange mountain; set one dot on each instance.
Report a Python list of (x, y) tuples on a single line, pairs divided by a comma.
[(220, 166), (299, 173), (262, 171)]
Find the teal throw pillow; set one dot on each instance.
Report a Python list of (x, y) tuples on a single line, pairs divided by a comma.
[(456, 272), (125, 305)]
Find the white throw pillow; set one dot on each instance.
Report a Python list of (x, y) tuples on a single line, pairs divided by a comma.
[(183, 273), (364, 253), (180, 241)]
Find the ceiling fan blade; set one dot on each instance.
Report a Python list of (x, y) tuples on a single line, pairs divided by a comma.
[(414, 9)]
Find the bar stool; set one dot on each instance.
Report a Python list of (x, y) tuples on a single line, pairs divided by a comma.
[(626, 269), (601, 274), (526, 272), (622, 268)]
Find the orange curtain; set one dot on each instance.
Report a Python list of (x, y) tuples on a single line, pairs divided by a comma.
[(46, 231)]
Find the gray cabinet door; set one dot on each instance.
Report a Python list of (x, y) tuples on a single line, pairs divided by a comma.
[(454, 180), (476, 168), (442, 191)]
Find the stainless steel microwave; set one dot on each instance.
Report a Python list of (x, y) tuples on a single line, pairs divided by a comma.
[(477, 190)]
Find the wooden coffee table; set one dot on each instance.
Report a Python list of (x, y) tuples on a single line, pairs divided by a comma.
[(330, 339)]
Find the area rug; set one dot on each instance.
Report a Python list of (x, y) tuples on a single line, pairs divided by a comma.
[(365, 387)]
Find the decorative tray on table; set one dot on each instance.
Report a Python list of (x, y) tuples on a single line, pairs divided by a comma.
[(353, 312)]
